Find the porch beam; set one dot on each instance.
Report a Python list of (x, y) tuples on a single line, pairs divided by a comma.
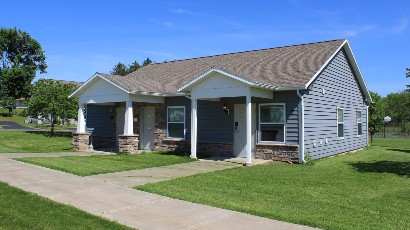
[(248, 131), (194, 104), (81, 119), (129, 123)]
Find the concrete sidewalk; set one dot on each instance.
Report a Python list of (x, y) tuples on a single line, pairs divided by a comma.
[(116, 201)]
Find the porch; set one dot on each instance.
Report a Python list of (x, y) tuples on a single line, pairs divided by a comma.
[(218, 116)]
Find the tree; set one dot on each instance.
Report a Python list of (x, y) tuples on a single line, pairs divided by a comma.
[(49, 97), (133, 67), (146, 62), (398, 107), (20, 58), (376, 115), (120, 69)]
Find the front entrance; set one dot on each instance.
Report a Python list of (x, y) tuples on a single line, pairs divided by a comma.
[(239, 136), (147, 128), (239, 133)]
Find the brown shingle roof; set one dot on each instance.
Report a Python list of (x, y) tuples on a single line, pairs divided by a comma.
[(283, 66)]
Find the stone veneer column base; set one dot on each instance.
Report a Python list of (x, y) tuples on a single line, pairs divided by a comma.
[(128, 143), (81, 141)]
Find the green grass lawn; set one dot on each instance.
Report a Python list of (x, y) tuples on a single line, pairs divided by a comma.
[(16, 117), (368, 189), (24, 210), (24, 142), (98, 164)]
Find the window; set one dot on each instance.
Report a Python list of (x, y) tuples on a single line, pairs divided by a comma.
[(176, 122), (359, 122), (272, 123), (340, 121)]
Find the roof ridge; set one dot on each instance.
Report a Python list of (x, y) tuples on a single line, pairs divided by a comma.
[(247, 51)]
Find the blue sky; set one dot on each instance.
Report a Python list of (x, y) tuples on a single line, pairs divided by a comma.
[(84, 37)]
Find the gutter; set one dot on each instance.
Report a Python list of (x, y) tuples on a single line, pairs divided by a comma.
[(301, 130)]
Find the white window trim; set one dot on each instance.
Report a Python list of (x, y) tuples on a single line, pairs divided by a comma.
[(272, 123), (171, 122), (357, 122), (337, 122)]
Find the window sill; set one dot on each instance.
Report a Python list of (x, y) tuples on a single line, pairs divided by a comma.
[(341, 138), (275, 144), (173, 139)]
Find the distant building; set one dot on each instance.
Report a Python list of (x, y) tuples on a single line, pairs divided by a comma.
[(20, 103), (66, 82)]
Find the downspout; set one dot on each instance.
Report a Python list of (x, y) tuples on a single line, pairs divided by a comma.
[(367, 125), (301, 130)]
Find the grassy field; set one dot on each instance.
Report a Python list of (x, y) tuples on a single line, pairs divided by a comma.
[(92, 165), (368, 189), (23, 210), (16, 117), (23, 142)]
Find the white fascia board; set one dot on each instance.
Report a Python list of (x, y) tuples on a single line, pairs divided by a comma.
[(157, 94), (355, 67), (357, 71), (89, 81), (290, 88), (83, 85), (324, 65), (212, 70)]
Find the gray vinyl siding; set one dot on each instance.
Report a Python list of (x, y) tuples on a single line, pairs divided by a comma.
[(217, 126), (320, 110), (100, 117), (213, 123)]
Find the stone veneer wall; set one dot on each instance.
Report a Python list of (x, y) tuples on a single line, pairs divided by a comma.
[(287, 153), (81, 141), (128, 143), (212, 149)]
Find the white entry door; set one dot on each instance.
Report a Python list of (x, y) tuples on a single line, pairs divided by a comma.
[(239, 135), (147, 128)]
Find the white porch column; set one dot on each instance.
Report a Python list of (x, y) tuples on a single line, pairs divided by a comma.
[(194, 103), (81, 119), (248, 131), (129, 120)]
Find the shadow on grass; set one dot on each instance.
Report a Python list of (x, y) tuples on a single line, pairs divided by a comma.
[(400, 150), (48, 133), (185, 154), (396, 167), (5, 115), (175, 153)]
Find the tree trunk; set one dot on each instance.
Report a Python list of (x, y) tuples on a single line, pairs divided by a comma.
[(52, 125), (371, 137), (10, 110)]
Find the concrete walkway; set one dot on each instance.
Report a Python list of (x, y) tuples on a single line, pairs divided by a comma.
[(114, 200)]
